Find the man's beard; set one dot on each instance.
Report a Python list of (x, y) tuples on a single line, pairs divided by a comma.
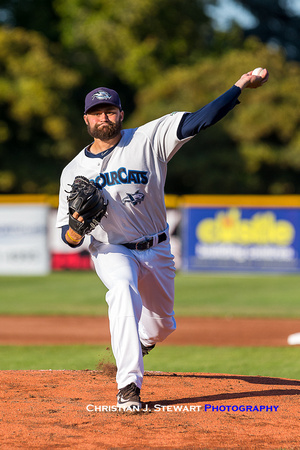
[(109, 131)]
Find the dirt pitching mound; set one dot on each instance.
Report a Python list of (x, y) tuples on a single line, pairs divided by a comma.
[(75, 409)]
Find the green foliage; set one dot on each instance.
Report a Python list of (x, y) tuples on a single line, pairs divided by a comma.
[(161, 56), (34, 131), (278, 22), (256, 146), (30, 78), (137, 39), (38, 15)]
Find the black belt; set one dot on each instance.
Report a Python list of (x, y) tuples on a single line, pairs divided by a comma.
[(146, 244)]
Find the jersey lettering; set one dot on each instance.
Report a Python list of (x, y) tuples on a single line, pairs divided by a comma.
[(122, 176), (132, 177)]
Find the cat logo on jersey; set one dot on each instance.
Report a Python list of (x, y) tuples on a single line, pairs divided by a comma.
[(134, 199)]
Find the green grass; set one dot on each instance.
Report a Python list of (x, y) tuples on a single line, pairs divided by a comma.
[(238, 295), (224, 295), (45, 357), (282, 362), (60, 293), (265, 361), (219, 295)]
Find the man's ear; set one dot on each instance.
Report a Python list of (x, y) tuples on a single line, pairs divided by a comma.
[(122, 116), (85, 119)]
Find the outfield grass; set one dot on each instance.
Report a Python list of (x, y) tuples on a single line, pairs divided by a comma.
[(82, 293), (282, 362), (65, 293), (238, 295)]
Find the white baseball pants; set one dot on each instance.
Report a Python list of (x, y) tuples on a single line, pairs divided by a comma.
[(140, 301)]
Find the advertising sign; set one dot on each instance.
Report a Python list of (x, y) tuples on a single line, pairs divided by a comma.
[(23, 240), (67, 258), (241, 239)]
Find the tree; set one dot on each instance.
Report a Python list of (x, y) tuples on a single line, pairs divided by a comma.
[(160, 55), (35, 134), (137, 40), (34, 15), (255, 149), (277, 23)]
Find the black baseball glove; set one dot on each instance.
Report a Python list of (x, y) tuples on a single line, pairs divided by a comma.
[(88, 201)]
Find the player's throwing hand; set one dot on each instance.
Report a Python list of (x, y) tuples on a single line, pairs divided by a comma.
[(251, 80)]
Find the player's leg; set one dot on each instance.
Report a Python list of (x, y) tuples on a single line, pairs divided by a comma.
[(118, 269), (157, 291)]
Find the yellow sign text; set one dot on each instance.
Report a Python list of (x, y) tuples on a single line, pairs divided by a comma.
[(262, 228)]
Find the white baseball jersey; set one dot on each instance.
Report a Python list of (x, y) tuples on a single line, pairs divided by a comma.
[(132, 177)]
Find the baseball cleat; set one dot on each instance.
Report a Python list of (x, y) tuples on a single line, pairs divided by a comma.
[(129, 398), (146, 350)]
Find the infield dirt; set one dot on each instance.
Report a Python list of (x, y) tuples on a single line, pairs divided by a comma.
[(35, 330), (75, 409)]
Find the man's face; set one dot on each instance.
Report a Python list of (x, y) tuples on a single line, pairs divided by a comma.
[(104, 122)]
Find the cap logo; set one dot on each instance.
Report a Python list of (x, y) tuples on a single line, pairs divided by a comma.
[(101, 95)]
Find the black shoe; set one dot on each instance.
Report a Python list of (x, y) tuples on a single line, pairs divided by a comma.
[(146, 350), (129, 398)]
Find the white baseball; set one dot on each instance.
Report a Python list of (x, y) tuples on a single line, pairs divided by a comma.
[(257, 71)]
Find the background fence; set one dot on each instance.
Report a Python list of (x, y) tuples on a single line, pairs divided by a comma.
[(208, 233)]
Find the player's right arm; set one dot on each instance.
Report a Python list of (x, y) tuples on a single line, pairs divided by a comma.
[(69, 236)]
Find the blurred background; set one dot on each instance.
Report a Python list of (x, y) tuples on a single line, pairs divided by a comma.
[(161, 56), (232, 194)]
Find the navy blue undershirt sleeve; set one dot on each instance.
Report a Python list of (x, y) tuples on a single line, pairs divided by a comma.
[(192, 123), (64, 229)]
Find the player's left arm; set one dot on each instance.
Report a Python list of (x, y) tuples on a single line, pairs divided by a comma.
[(193, 123)]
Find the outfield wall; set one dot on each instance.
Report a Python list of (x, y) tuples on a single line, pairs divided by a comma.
[(208, 233)]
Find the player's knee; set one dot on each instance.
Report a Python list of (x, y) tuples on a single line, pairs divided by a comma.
[(171, 325), (168, 325)]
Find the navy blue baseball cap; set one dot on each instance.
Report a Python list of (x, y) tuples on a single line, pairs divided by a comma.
[(102, 95)]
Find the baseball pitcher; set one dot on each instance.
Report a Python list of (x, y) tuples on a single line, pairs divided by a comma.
[(113, 191)]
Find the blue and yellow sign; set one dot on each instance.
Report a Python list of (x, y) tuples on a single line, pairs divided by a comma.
[(241, 239)]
